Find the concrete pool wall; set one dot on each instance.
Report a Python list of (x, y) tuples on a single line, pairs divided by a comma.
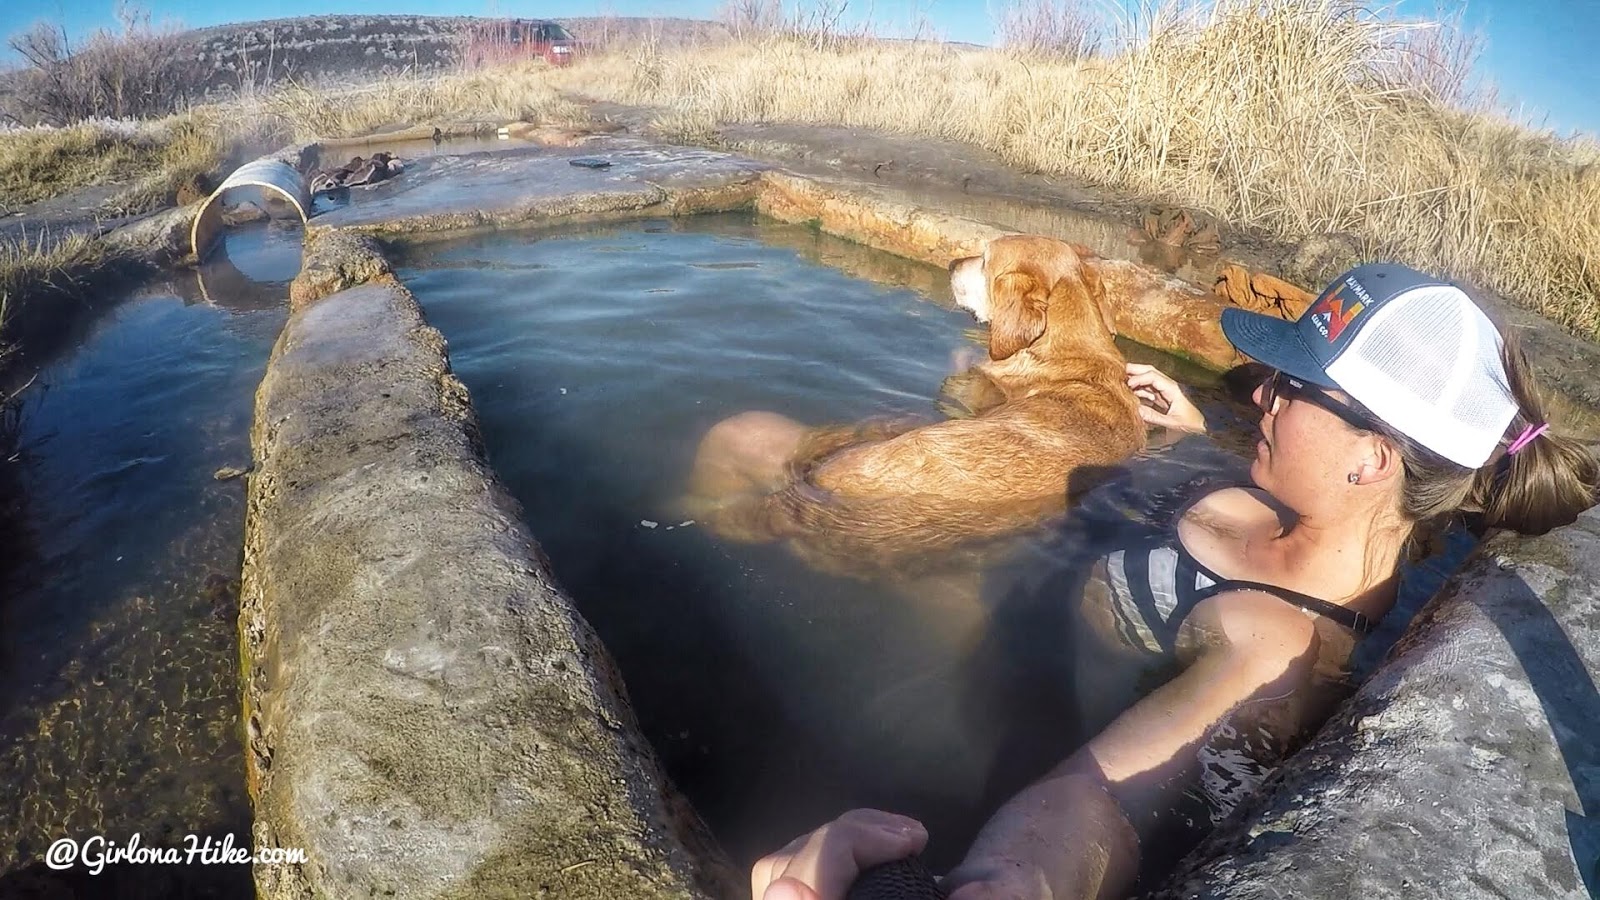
[(430, 717)]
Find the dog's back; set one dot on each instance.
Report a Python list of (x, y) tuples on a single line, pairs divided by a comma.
[(857, 501), (1052, 416)]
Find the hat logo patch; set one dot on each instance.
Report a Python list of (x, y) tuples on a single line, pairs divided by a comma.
[(1332, 314)]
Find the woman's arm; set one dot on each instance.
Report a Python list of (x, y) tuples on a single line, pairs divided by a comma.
[(1069, 835)]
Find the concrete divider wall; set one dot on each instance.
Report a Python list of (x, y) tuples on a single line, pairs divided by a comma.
[(1153, 309), (428, 716)]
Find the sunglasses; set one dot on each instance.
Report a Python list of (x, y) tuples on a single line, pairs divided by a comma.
[(1279, 384)]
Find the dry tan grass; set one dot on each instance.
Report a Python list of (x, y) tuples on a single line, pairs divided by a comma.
[(48, 268), (193, 149), (151, 159), (38, 163), (1294, 116), (516, 93), (680, 126)]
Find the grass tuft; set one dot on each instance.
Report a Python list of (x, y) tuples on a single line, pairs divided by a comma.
[(149, 160), (39, 163), (513, 93), (49, 269), (693, 127)]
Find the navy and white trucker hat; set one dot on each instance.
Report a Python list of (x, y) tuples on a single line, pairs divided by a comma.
[(1413, 349)]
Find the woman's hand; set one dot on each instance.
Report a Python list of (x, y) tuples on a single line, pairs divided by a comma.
[(823, 864), (1167, 406)]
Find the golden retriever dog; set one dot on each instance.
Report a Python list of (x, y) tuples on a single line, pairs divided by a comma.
[(1041, 419)]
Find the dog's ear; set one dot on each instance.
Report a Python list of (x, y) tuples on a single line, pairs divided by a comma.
[(1098, 295), (1017, 304)]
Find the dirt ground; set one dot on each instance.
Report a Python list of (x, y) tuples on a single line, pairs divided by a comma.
[(56, 217)]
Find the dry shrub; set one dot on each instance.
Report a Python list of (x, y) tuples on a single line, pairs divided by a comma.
[(748, 19), (1438, 59), (139, 71), (1295, 116), (817, 23), (1066, 28)]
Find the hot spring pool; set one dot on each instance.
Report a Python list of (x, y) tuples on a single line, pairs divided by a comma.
[(775, 695)]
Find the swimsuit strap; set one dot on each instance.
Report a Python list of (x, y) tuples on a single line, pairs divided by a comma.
[(1349, 618)]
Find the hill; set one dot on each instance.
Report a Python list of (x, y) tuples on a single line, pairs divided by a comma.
[(222, 60), (351, 47)]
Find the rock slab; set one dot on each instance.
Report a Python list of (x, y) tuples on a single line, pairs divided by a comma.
[(428, 716), (1467, 767)]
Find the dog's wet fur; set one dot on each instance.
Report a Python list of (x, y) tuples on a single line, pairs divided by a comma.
[(1046, 416)]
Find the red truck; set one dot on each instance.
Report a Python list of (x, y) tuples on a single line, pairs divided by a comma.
[(496, 41)]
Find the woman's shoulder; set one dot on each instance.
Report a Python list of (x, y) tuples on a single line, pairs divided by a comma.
[(1258, 621), (1234, 510)]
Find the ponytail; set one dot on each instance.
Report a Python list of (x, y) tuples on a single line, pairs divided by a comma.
[(1549, 481)]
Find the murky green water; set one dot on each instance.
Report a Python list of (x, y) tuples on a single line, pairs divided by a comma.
[(776, 696), (118, 656)]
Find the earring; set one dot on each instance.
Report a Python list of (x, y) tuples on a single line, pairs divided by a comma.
[(1353, 477)]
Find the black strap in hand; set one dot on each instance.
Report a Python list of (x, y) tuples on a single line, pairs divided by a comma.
[(903, 879)]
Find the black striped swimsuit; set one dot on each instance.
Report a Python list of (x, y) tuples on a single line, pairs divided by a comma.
[(1155, 583)]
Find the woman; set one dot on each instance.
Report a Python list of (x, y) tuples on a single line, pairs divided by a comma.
[(1393, 409)]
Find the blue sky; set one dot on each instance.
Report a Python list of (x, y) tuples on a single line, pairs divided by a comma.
[(1541, 53)]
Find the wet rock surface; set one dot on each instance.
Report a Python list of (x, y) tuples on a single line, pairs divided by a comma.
[(427, 714), (161, 237), (333, 261), (527, 185), (82, 210), (1468, 766)]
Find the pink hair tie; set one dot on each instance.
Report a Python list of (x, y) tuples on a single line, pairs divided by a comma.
[(1526, 437)]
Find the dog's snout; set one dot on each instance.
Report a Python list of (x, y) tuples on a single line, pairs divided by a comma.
[(967, 287)]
